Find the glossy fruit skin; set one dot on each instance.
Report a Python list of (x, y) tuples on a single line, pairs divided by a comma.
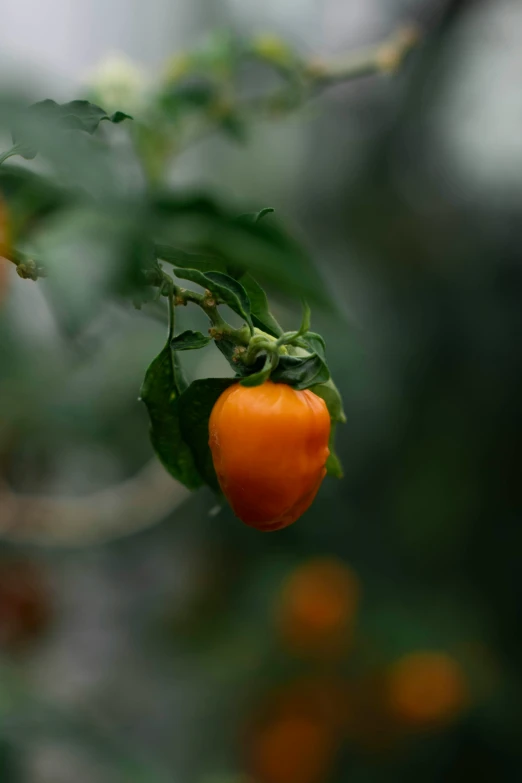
[(269, 446)]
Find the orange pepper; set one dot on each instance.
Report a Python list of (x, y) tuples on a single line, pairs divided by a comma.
[(269, 446)]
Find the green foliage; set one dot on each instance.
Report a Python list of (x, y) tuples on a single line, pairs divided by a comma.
[(261, 316), (189, 340), (181, 258), (203, 225), (223, 287), (260, 313), (179, 416), (330, 394), (192, 96), (257, 378), (75, 115), (10, 766), (232, 293), (293, 337), (31, 197), (255, 217), (307, 317), (195, 407), (316, 343), (301, 372), (204, 240), (161, 392)]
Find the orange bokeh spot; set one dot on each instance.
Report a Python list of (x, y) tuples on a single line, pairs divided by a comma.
[(426, 688), (295, 749), (296, 738), (317, 606), (25, 604)]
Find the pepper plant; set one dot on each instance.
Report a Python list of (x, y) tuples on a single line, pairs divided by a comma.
[(165, 241)]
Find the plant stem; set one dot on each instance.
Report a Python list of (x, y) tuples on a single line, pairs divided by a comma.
[(172, 316), (386, 57), (182, 296), (27, 268)]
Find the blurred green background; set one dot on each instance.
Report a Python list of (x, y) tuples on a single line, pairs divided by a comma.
[(146, 635)]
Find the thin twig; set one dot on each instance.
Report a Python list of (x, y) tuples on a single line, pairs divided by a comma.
[(120, 510), (386, 57)]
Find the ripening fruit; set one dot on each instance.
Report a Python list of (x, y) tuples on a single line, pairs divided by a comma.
[(317, 607), (269, 446), (426, 689)]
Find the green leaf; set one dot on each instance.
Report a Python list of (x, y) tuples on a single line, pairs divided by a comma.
[(161, 392), (257, 378), (75, 115), (294, 338), (180, 379), (264, 249), (301, 372), (199, 261), (262, 212), (316, 343), (259, 308), (217, 58), (334, 465), (31, 197), (232, 293), (255, 217), (223, 286), (23, 150), (234, 125), (194, 95), (189, 341), (330, 394), (307, 317), (332, 397), (195, 407), (194, 275), (218, 55)]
